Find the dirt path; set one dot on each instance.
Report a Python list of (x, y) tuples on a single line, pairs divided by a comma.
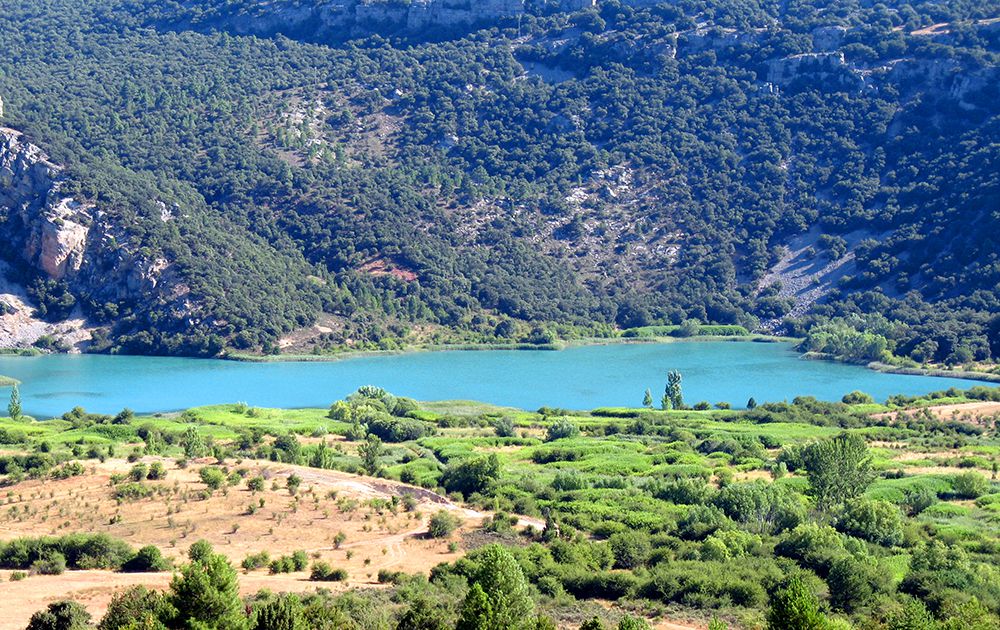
[(975, 412), (386, 488), (328, 502)]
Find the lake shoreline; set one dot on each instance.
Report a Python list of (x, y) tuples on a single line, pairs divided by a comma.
[(482, 347), (591, 373), (888, 368)]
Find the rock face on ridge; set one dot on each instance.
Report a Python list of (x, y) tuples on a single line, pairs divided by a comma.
[(334, 19), (48, 235), (53, 228)]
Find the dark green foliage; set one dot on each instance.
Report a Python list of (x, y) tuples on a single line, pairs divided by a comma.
[(323, 572), (760, 507), (795, 607), (423, 613), (212, 477), (60, 616), (134, 608), (146, 560), (814, 546), (391, 429), (970, 485), (853, 583), (132, 491), (282, 613), (442, 524), (504, 427), (879, 522), (206, 592), (499, 596), (370, 452), (711, 584), (839, 469), (561, 428), (628, 622), (857, 398), (78, 551), (631, 549), (673, 389), (375, 235), (51, 563), (478, 474)]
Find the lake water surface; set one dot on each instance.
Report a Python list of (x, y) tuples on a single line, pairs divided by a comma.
[(577, 378)]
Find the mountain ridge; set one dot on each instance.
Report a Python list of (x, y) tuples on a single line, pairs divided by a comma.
[(586, 171)]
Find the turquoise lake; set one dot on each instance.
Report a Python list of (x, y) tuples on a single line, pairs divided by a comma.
[(576, 378)]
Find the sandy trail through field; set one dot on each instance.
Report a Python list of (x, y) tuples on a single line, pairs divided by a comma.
[(385, 488), (979, 412), (174, 518)]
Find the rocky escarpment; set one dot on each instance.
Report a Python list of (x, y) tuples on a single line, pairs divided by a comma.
[(335, 19), (46, 234), (50, 230)]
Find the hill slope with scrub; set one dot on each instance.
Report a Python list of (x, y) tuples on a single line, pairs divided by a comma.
[(184, 187)]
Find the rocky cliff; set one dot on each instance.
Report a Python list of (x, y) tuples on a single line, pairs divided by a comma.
[(336, 19), (49, 230), (46, 234)]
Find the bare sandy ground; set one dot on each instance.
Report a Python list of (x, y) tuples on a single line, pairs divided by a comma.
[(979, 412), (328, 502)]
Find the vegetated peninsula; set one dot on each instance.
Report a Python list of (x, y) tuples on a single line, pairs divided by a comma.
[(236, 177)]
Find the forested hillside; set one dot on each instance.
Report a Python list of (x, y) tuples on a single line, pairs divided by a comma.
[(824, 168)]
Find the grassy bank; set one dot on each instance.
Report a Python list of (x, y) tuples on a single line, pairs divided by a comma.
[(889, 368), (553, 346), (918, 371)]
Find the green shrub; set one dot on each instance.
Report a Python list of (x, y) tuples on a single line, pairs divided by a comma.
[(442, 524), (212, 477), (138, 472), (970, 485), (146, 560), (879, 522), (600, 584), (52, 563), (323, 572), (79, 551), (256, 561), (471, 475), (560, 429), (156, 471), (813, 545), (631, 549), (132, 491), (64, 615)]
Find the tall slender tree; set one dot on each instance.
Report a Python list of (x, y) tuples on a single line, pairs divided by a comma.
[(14, 406), (674, 389), (839, 469)]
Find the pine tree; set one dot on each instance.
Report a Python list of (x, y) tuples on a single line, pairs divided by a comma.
[(795, 608), (14, 407), (500, 596), (476, 611), (370, 453), (206, 593), (647, 399), (674, 389), (283, 613)]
